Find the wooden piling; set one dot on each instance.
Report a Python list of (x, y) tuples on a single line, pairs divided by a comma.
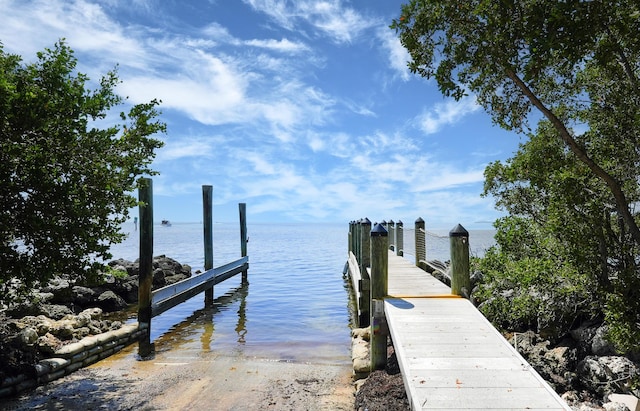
[(365, 257), (421, 249), (145, 279), (399, 238), (350, 239), (379, 290), (459, 242), (242, 209), (364, 261), (391, 230), (358, 243), (207, 219)]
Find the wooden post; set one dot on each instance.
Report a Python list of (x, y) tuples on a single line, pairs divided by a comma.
[(207, 218), (350, 238), (391, 230), (364, 262), (421, 249), (357, 242), (365, 258), (379, 290), (145, 279), (399, 238), (242, 209), (460, 282)]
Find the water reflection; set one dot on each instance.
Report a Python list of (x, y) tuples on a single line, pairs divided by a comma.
[(202, 323)]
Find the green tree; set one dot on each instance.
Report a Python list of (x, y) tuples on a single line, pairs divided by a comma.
[(66, 181), (571, 195), (576, 62)]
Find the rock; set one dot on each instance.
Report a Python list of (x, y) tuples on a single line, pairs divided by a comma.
[(600, 345), (632, 402), (83, 296), (615, 406), (48, 344), (61, 290), (28, 336), (570, 397), (606, 375), (110, 301), (95, 313), (81, 320), (127, 289), (583, 335), (587, 406), (362, 333), (63, 329), (555, 364), (159, 277), (55, 311), (360, 352)]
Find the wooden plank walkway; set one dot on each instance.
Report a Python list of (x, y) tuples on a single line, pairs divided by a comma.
[(450, 355)]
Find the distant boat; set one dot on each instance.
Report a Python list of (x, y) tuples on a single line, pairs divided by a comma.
[(166, 223)]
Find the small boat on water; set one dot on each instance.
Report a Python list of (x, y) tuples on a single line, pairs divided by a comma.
[(166, 223)]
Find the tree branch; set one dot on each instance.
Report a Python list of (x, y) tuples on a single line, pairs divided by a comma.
[(621, 201)]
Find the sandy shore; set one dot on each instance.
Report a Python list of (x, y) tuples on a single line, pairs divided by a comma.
[(198, 381)]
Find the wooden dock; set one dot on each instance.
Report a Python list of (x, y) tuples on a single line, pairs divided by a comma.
[(450, 355)]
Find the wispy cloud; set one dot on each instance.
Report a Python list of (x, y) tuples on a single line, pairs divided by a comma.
[(302, 114), (397, 54), (444, 114), (329, 18), (284, 45)]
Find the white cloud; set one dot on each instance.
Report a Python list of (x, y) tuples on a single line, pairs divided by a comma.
[(185, 148), (397, 54), (446, 114), (284, 45), (28, 27), (259, 116), (341, 24)]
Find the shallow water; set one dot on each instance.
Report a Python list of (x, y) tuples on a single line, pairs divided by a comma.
[(296, 305)]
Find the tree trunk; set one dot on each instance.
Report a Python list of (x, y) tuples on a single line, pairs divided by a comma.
[(621, 201)]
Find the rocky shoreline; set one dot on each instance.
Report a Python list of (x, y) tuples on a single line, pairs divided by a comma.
[(584, 380), (66, 326), (582, 367)]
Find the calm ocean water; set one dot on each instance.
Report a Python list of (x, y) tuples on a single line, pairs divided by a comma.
[(296, 304)]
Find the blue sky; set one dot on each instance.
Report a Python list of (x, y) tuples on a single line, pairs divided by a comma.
[(304, 110)]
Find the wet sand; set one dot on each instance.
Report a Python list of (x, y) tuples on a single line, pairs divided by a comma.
[(195, 381)]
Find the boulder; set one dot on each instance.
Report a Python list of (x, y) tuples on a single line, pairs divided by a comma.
[(159, 277), (83, 296), (48, 344), (28, 336), (583, 335), (607, 375), (554, 364), (55, 311), (632, 402), (599, 343), (110, 301), (60, 290), (615, 406)]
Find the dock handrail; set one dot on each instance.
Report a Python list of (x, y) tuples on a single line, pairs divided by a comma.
[(169, 296)]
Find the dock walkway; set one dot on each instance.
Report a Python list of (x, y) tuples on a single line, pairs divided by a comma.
[(450, 355)]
